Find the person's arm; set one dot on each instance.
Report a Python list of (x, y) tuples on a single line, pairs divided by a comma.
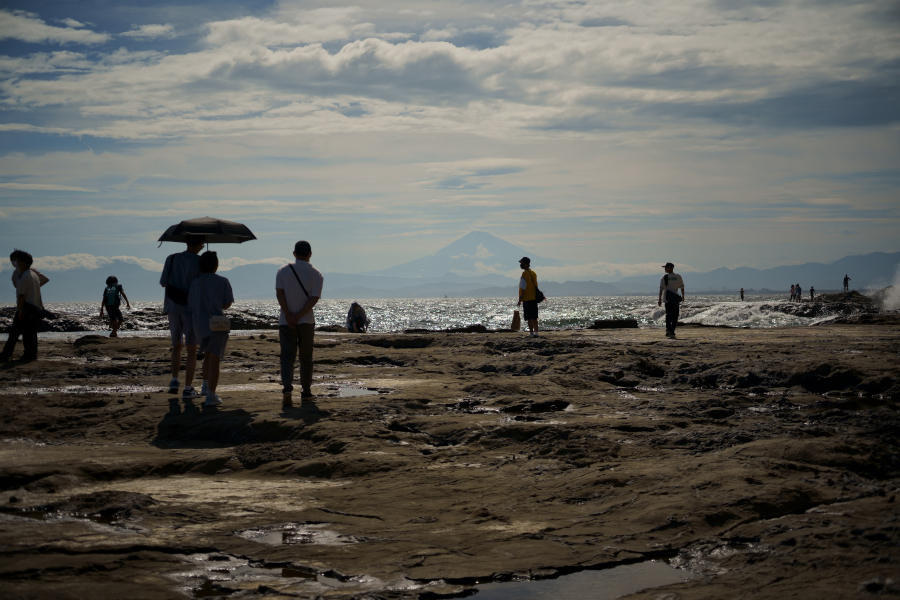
[(521, 289), (306, 308), (682, 290), (282, 302), (164, 276), (102, 302), (41, 277), (126, 299), (661, 289)]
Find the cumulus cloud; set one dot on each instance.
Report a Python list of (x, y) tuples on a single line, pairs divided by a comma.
[(228, 264), (27, 27), (148, 32)]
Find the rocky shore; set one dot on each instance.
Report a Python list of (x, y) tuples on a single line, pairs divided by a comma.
[(763, 460)]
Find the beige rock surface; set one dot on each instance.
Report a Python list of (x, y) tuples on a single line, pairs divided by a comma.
[(766, 461)]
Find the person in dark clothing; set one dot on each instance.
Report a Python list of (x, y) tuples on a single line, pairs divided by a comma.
[(29, 310), (111, 302), (846, 283), (669, 285)]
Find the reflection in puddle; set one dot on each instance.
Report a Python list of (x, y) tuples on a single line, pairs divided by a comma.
[(605, 584), (298, 533), (346, 392)]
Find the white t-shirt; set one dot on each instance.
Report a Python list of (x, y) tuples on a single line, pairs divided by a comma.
[(675, 283), (312, 280), (30, 286)]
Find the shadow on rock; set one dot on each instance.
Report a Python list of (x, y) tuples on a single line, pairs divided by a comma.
[(203, 424)]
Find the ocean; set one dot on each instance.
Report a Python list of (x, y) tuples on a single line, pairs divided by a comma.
[(496, 313)]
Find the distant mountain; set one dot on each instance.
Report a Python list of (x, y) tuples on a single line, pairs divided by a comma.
[(475, 252), (870, 270), (86, 285)]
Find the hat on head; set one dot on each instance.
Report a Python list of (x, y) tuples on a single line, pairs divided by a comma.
[(525, 260), (667, 265)]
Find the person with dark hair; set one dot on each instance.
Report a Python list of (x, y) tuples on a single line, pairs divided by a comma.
[(528, 286), (111, 302), (179, 271), (799, 292), (298, 287), (210, 295), (357, 321), (29, 311), (669, 285), (14, 259)]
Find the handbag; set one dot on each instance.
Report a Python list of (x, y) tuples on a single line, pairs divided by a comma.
[(216, 322), (32, 312), (176, 295), (516, 322)]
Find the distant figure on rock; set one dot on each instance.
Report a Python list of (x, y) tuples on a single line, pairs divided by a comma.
[(357, 322), (742, 293), (528, 290), (798, 292), (846, 283), (793, 293), (179, 272), (812, 292), (298, 286), (29, 308), (111, 302), (669, 285), (210, 295)]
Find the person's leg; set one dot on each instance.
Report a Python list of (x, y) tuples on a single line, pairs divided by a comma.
[(191, 366), (176, 360), (306, 335), (288, 338), (532, 325), (15, 330), (29, 340), (671, 317), (676, 308)]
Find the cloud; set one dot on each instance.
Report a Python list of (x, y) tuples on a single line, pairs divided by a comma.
[(147, 32), (228, 264), (43, 186), (27, 27), (90, 262)]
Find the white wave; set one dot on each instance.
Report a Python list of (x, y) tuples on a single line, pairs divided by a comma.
[(733, 314)]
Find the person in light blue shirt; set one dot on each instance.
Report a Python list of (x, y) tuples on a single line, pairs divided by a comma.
[(210, 295)]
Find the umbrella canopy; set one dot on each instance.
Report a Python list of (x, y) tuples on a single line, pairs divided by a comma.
[(216, 231)]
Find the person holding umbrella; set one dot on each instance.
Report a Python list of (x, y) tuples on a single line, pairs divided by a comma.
[(179, 272)]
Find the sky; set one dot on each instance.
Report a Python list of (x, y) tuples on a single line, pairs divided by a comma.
[(613, 136)]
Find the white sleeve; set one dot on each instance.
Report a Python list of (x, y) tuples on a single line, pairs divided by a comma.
[(279, 284), (522, 284)]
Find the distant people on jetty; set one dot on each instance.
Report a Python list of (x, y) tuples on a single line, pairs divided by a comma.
[(111, 301), (357, 322), (528, 295), (298, 286), (793, 292), (29, 308), (210, 296), (846, 283), (669, 285), (179, 271), (798, 293), (742, 293), (812, 292)]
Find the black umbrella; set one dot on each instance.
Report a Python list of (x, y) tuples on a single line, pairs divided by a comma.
[(216, 231)]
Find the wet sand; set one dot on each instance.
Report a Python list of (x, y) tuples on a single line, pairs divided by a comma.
[(765, 461)]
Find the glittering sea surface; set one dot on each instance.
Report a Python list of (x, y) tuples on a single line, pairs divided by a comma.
[(496, 313)]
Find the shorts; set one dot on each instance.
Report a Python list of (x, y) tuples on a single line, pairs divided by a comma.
[(531, 310), (114, 313), (181, 327), (215, 343)]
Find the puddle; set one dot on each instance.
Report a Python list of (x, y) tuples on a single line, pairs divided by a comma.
[(605, 584), (298, 533), (346, 392)]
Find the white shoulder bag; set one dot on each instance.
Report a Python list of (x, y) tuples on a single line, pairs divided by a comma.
[(216, 322)]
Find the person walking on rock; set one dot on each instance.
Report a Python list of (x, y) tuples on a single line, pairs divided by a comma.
[(742, 294), (793, 292), (111, 302), (210, 295), (528, 287), (178, 273), (298, 287), (669, 285), (812, 293), (29, 311), (846, 283), (798, 292)]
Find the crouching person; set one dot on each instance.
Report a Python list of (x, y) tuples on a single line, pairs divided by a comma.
[(210, 296)]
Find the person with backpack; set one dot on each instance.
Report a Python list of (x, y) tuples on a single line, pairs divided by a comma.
[(298, 287), (179, 272), (529, 295), (111, 302), (669, 285)]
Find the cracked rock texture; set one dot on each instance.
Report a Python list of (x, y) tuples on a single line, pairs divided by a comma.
[(764, 461)]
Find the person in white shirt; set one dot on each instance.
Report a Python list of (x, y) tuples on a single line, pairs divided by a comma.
[(669, 285), (298, 286), (28, 301)]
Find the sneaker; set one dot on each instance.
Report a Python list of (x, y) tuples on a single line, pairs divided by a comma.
[(286, 399), (173, 386), (189, 392), (307, 396), (212, 400), (113, 334), (204, 390)]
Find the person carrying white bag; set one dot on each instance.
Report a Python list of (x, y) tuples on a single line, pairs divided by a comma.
[(209, 297)]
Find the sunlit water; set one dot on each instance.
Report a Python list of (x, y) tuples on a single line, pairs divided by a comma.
[(496, 313)]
